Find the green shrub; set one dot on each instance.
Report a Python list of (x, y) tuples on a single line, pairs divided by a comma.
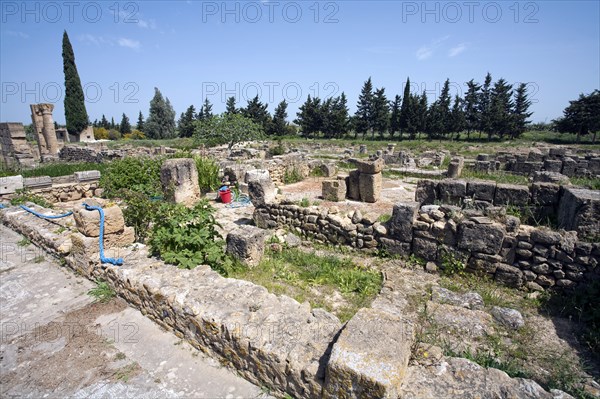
[(24, 196), (188, 237), (139, 213), (141, 174), (292, 175), (114, 134), (208, 173)]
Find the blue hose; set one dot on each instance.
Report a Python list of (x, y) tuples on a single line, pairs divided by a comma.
[(117, 262), (46, 216), (113, 261)]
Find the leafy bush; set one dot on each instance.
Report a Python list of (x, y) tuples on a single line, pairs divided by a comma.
[(208, 173), (100, 133), (114, 134), (139, 174), (134, 135), (292, 175), (139, 213), (227, 129), (188, 237)]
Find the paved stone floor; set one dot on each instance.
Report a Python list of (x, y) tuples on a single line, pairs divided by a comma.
[(55, 342)]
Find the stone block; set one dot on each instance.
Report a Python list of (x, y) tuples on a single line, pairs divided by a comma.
[(10, 184), (37, 182), (509, 275), (247, 244), (401, 223), (553, 165), (455, 167), (511, 194), (370, 167), (481, 190), (353, 190), (87, 175), (370, 357), (260, 187), (424, 248), (569, 166), (395, 247), (579, 210), (545, 194), (369, 186), (485, 238), (426, 192), (452, 191), (334, 190), (88, 222), (550, 177), (328, 170), (179, 180)]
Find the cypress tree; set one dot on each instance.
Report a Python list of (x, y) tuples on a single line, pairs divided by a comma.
[(381, 112), (501, 109), (405, 109), (75, 112), (363, 118), (278, 126), (161, 118), (257, 111), (485, 102), (395, 117), (207, 109), (230, 107), (339, 118), (186, 122), (140, 122), (471, 107), (520, 113), (457, 117), (124, 126)]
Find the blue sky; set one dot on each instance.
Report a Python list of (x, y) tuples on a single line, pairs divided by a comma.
[(286, 50)]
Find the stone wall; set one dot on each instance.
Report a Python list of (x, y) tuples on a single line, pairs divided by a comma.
[(16, 151), (57, 189), (577, 209), (561, 160), (92, 154), (512, 254)]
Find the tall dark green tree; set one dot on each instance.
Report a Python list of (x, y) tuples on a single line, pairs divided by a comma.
[(185, 125), (206, 109), (485, 106), (501, 109), (582, 116), (471, 107), (339, 116), (418, 113), (140, 122), (230, 106), (125, 126), (363, 118), (112, 123), (104, 122), (309, 117), (161, 118), (75, 112), (520, 111), (457, 117), (381, 112), (395, 117), (405, 109), (257, 111), (278, 126)]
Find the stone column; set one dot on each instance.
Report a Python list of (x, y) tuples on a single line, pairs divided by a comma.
[(49, 132), (38, 125)]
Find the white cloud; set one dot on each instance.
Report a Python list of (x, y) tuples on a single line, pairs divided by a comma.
[(129, 43), (93, 39), (20, 34), (426, 51), (454, 51)]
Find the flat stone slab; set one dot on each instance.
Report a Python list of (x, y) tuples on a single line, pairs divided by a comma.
[(370, 357), (37, 182), (10, 184), (88, 175)]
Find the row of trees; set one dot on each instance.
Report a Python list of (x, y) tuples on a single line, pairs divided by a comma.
[(494, 109)]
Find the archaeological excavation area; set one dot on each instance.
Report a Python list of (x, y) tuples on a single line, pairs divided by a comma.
[(335, 270)]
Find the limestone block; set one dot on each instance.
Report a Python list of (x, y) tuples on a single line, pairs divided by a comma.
[(545, 193), (403, 216), (481, 190), (334, 190), (553, 165), (426, 192), (478, 237), (37, 182), (261, 192), (328, 170), (550, 177), (247, 244), (179, 179), (509, 275), (452, 191), (455, 167), (370, 167), (511, 194), (10, 184), (579, 210), (88, 222), (88, 175), (369, 186), (353, 190), (370, 357)]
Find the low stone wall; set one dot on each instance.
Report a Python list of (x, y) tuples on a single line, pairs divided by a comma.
[(512, 254), (92, 154), (577, 209), (56, 189), (561, 160)]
